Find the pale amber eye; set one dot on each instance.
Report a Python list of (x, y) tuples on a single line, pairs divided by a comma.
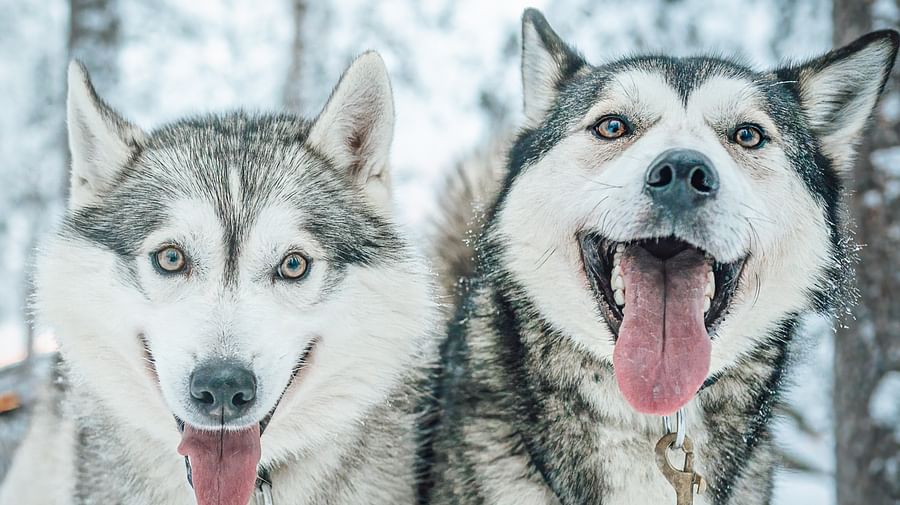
[(611, 128), (170, 259), (293, 267), (749, 136)]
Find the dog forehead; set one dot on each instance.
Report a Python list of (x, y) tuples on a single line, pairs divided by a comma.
[(273, 227), (724, 95), (659, 89), (217, 153), (232, 168), (640, 88), (239, 163)]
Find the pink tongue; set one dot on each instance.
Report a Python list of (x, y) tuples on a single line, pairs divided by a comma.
[(223, 464), (661, 357)]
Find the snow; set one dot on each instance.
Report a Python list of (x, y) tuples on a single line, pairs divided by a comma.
[(887, 11), (888, 161), (890, 107), (795, 488), (454, 65), (884, 404)]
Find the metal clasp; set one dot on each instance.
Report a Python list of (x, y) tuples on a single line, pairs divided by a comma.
[(680, 428), (685, 481)]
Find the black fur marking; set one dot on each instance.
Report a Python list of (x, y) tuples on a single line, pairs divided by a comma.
[(738, 446), (509, 368), (269, 156)]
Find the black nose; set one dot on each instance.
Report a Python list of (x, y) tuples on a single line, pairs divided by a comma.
[(681, 179), (223, 390)]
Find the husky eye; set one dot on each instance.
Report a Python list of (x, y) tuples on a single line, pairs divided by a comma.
[(293, 267), (169, 260), (749, 136), (611, 127)]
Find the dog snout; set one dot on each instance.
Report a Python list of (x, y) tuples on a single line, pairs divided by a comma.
[(223, 390), (681, 179)]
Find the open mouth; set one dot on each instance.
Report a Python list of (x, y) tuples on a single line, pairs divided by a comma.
[(662, 299), (222, 464)]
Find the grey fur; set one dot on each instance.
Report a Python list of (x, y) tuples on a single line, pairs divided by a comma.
[(237, 167), (518, 416)]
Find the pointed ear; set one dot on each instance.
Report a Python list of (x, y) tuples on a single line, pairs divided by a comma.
[(101, 141), (546, 62), (356, 127), (838, 91)]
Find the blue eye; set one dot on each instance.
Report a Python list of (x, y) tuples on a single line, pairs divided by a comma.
[(611, 127), (293, 267), (749, 136), (169, 260)]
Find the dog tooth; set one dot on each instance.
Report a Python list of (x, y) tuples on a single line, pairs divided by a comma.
[(706, 304), (710, 289), (619, 295), (620, 248), (618, 282), (617, 258), (616, 272)]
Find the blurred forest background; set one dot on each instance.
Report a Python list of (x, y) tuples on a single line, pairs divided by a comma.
[(454, 65)]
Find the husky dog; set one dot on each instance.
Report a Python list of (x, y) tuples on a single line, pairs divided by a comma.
[(231, 292), (664, 225)]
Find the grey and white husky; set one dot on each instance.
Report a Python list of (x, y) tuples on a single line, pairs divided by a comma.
[(230, 292), (662, 227)]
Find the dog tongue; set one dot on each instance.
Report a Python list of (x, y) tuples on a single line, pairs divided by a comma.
[(662, 354), (223, 464)]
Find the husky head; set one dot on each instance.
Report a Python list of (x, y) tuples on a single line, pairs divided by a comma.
[(239, 272), (669, 214)]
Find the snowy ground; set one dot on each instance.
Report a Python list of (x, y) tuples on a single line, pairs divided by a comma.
[(448, 60)]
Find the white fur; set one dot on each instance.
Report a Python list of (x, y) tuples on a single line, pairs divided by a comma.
[(572, 188), (360, 110), (100, 145), (372, 329), (48, 446), (584, 183), (369, 330), (541, 68), (839, 121)]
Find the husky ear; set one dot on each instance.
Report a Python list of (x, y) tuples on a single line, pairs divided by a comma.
[(838, 91), (101, 141), (546, 62), (356, 127)]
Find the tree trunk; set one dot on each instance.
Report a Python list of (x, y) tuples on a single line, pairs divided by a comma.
[(94, 39), (867, 351), (292, 95), (94, 36)]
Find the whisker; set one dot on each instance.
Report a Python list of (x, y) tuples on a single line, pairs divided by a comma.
[(546, 256)]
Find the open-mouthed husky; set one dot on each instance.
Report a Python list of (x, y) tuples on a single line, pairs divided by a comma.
[(662, 227), (235, 308)]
